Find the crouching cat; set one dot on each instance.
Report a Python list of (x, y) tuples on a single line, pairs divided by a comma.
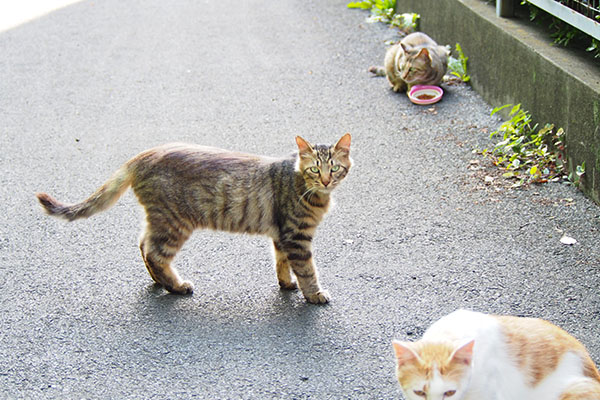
[(187, 187), (415, 60), (472, 356)]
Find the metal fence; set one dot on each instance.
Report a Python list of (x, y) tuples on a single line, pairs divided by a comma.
[(588, 8), (582, 14)]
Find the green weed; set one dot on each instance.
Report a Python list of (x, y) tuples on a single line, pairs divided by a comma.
[(575, 176), (526, 153), (384, 11), (381, 10), (458, 66)]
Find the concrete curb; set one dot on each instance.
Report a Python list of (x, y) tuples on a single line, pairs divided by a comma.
[(512, 61)]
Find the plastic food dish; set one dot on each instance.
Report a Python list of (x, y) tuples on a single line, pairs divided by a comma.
[(421, 94)]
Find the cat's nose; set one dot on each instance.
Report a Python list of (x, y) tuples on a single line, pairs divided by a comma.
[(325, 180)]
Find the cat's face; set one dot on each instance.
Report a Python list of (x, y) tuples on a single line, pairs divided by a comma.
[(433, 371), (416, 65), (324, 167)]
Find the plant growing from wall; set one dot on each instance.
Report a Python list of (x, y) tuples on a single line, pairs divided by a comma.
[(458, 66), (526, 153), (381, 10), (384, 11), (575, 176)]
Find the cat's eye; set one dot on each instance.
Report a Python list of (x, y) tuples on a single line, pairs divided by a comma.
[(314, 170), (449, 393), (420, 393), (335, 168)]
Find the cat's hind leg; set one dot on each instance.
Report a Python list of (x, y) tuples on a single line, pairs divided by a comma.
[(282, 267), (158, 247)]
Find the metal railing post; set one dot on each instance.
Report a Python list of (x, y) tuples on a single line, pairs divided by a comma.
[(505, 8)]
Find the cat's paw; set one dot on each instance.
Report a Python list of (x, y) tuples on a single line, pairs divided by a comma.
[(185, 287), (291, 285), (321, 297)]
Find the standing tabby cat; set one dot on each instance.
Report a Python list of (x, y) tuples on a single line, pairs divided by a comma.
[(187, 187), (472, 356), (415, 60)]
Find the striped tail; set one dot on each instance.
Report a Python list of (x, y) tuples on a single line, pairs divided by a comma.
[(103, 198), (377, 70)]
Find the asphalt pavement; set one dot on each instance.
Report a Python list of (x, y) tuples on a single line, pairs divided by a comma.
[(417, 230)]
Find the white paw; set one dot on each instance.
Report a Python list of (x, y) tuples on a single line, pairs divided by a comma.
[(321, 297)]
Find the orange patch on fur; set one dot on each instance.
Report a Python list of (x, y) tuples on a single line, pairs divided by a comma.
[(538, 347)]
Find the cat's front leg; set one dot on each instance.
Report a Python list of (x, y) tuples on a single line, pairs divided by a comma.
[(399, 87), (299, 256)]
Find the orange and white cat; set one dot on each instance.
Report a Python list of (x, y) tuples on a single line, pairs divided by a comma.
[(468, 355)]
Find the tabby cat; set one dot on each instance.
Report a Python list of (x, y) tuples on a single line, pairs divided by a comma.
[(187, 187), (472, 356), (415, 60)]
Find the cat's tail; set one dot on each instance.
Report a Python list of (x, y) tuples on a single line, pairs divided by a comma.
[(588, 386), (377, 70), (103, 198), (582, 389)]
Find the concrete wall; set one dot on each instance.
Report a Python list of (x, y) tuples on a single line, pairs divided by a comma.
[(511, 61)]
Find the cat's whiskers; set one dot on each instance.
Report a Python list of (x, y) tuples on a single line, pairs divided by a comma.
[(308, 193)]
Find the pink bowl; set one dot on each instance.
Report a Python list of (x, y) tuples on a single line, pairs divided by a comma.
[(423, 94)]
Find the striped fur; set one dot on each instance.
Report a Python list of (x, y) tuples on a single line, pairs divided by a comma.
[(473, 356), (415, 60), (187, 187)]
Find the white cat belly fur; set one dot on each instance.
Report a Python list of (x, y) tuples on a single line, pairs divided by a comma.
[(494, 375)]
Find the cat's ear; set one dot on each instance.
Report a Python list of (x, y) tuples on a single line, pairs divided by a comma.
[(303, 146), (406, 47), (464, 353), (404, 352), (424, 54), (344, 143)]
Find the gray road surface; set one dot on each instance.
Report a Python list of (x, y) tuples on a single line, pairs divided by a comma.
[(416, 233)]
